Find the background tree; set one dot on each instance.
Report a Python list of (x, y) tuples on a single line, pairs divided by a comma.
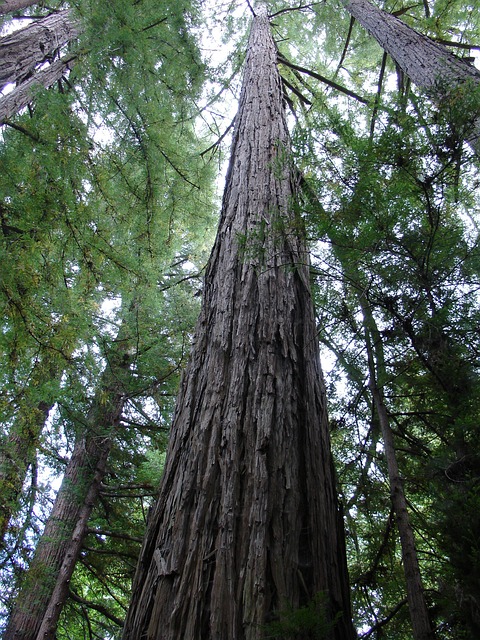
[(430, 65), (400, 251)]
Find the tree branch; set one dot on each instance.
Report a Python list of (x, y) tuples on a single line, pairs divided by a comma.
[(299, 8), (379, 94), (317, 76), (113, 534), (21, 129), (458, 45), (294, 90), (345, 48), (96, 607), (385, 620), (217, 142)]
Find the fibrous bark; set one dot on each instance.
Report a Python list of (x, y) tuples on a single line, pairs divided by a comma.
[(247, 522), (428, 64), (22, 95), (23, 50)]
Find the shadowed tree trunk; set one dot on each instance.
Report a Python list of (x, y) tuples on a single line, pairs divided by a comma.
[(247, 522), (46, 583), (419, 616), (428, 64), (23, 50)]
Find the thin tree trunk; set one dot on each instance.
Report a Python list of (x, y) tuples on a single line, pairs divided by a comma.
[(23, 50), (419, 616), (421, 624), (58, 548), (9, 6), (22, 95), (428, 64), (247, 523), (18, 449), (16, 455), (45, 587)]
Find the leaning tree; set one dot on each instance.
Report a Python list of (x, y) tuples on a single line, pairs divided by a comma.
[(430, 65)]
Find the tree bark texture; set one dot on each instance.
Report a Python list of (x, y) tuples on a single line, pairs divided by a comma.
[(428, 64), (22, 51), (9, 6), (22, 95), (46, 583), (247, 522)]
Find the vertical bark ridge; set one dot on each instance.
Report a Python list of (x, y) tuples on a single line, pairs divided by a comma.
[(246, 523), (21, 51)]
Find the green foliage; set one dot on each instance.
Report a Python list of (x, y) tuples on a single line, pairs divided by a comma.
[(151, 470), (104, 199), (395, 207), (310, 622)]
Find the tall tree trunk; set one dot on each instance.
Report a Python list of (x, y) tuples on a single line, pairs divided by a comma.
[(419, 616), (23, 50), (428, 64), (45, 587), (247, 522), (9, 6)]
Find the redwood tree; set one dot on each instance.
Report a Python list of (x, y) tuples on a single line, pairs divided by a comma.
[(428, 64), (247, 523), (9, 6)]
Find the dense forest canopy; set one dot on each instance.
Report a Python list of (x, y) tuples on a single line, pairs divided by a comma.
[(115, 121)]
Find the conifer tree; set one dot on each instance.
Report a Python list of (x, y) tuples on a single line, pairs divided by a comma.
[(247, 523), (429, 65)]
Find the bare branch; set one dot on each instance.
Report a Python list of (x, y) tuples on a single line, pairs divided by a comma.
[(385, 620), (299, 8), (379, 93), (345, 48), (96, 607), (217, 142), (299, 95), (113, 534), (317, 76), (458, 45)]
